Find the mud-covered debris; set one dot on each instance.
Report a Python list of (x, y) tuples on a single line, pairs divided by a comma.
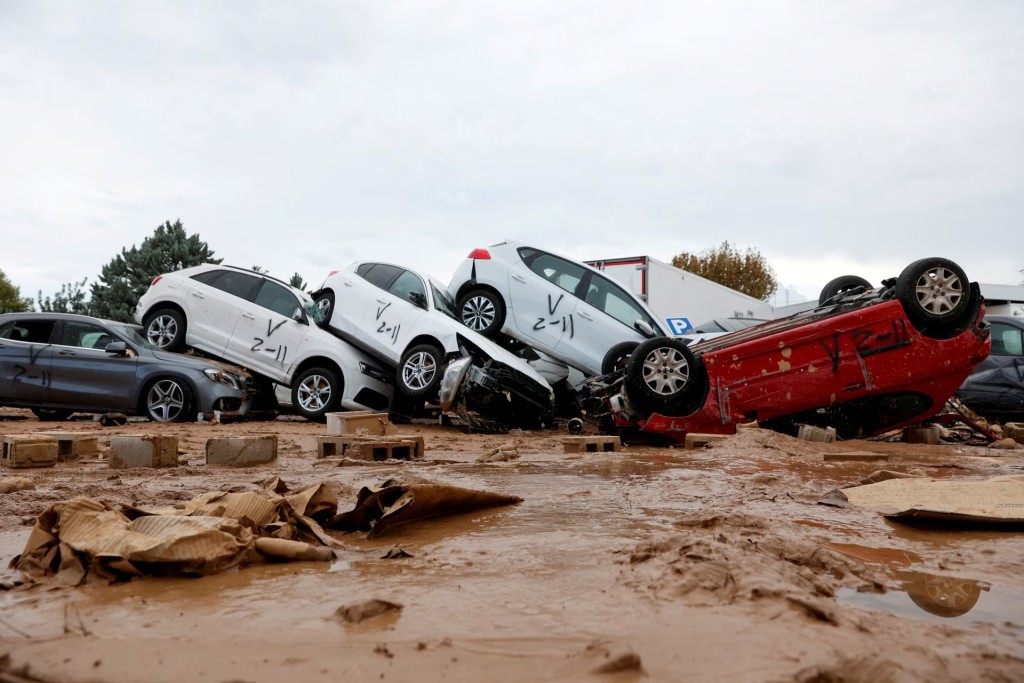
[(282, 549), (502, 453), (12, 484), (113, 419), (617, 662), (1005, 444), (396, 553), (885, 475), (354, 613)]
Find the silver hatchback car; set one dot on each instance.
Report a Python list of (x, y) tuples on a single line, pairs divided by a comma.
[(57, 364)]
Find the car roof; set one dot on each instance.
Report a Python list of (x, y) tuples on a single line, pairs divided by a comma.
[(63, 316), (248, 271)]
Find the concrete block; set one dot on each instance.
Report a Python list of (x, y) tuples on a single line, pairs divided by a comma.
[(359, 423), (74, 445), (28, 450), (591, 444), (926, 435), (143, 450), (812, 433), (696, 440), (241, 451), (1014, 430), (855, 456), (371, 447)]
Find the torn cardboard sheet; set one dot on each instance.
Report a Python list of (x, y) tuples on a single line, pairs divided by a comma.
[(381, 509), (997, 501), (206, 535)]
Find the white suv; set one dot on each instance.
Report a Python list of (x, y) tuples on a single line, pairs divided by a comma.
[(407, 321), (559, 306), (265, 325)]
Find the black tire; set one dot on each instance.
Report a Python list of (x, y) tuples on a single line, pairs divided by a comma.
[(420, 370), (52, 414), (575, 426), (165, 329), (325, 302), (841, 285), (933, 291), (618, 356), (483, 311), (663, 376), (316, 392), (168, 400)]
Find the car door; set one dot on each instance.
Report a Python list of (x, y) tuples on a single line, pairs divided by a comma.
[(216, 300), (542, 289), (267, 336), (25, 356), (83, 375), (388, 315), (605, 316)]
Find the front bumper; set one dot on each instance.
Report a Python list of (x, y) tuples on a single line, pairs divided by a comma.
[(494, 397)]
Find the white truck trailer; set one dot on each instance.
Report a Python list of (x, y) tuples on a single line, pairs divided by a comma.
[(680, 298)]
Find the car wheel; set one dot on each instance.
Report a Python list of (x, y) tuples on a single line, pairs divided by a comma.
[(663, 376), (420, 370), (483, 311), (618, 356), (168, 400), (52, 414), (316, 392), (933, 290), (842, 285), (325, 302), (165, 329)]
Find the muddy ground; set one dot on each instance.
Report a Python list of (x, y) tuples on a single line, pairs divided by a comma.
[(651, 563)]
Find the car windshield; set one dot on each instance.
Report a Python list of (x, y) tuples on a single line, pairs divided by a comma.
[(133, 333), (443, 301)]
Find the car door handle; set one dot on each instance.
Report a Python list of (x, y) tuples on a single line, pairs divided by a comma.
[(347, 283), (66, 353), (517, 276), (250, 316), (199, 295), (586, 316)]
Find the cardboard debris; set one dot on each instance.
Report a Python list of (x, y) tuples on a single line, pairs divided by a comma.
[(381, 509), (359, 611), (997, 501), (12, 484)]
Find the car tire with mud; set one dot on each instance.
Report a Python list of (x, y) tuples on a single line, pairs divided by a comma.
[(483, 311), (618, 356), (168, 399), (934, 293), (663, 376), (316, 391), (842, 285), (420, 370), (165, 329)]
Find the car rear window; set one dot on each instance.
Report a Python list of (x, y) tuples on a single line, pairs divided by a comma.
[(239, 284), (32, 331)]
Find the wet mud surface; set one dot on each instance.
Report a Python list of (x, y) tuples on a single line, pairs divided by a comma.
[(650, 563)]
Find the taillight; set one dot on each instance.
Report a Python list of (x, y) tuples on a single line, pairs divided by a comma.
[(480, 254), (155, 280), (331, 273)]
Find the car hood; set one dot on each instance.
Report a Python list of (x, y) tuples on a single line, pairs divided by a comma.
[(196, 362), (501, 355)]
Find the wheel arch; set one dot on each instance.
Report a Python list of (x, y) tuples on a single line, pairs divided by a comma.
[(475, 284), (318, 362), (166, 304), (446, 348), (148, 380)]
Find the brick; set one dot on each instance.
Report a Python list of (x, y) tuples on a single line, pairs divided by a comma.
[(143, 450), (28, 450), (1014, 430), (371, 447), (697, 440), (74, 445), (591, 444), (812, 433), (359, 422), (925, 435), (855, 456), (241, 451)]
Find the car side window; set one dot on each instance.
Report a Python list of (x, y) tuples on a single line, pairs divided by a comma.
[(560, 272), (83, 335), (31, 331), (606, 296), (1007, 340), (277, 298), (241, 285), (381, 275), (408, 283)]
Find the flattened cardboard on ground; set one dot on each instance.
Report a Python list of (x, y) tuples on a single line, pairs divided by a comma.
[(998, 501)]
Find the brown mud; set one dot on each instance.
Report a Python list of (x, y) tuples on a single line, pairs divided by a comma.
[(651, 563)]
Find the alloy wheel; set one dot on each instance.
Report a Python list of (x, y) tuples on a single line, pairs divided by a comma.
[(162, 330), (419, 370), (478, 313), (314, 393), (666, 371), (165, 401), (939, 290)]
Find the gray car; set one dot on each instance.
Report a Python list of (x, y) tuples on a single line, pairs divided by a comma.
[(57, 364)]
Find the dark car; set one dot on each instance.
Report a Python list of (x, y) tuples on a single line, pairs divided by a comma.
[(868, 361), (996, 387), (58, 364)]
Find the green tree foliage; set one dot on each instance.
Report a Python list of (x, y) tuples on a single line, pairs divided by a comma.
[(70, 299), (127, 277), (748, 272), (297, 282), (11, 300)]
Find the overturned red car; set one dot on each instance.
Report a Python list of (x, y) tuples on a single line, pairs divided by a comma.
[(865, 361)]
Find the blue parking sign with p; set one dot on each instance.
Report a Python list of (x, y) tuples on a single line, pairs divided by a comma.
[(679, 326)]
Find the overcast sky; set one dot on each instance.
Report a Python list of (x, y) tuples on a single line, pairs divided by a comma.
[(834, 138)]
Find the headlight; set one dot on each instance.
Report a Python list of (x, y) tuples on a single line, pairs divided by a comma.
[(451, 380), (221, 377)]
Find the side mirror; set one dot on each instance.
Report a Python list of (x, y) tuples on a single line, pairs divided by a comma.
[(118, 348), (645, 328), (418, 299), (298, 316)]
